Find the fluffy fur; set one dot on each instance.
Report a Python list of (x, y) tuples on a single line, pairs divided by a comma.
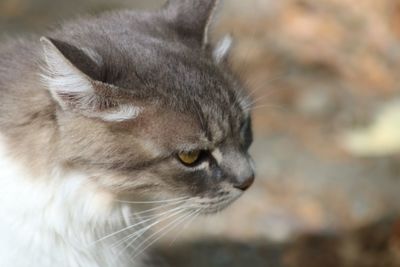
[(55, 221), (97, 112)]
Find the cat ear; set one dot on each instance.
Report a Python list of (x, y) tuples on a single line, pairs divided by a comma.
[(61, 76), (74, 90), (222, 49), (191, 18)]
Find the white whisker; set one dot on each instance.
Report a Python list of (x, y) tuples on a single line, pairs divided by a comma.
[(166, 230), (262, 85), (169, 213), (278, 107), (153, 202), (189, 221), (131, 226), (158, 208), (136, 235)]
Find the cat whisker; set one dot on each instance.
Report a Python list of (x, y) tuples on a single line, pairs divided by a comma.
[(262, 85), (140, 213), (147, 217), (248, 105), (132, 226), (156, 216), (165, 230), (258, 99), (168, 214), (138, 234), (252, 102), (248, 99), (278, 107), (194, 216), (155, 201)]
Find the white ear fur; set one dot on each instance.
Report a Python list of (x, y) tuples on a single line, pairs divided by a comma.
[(121, 113), (222, 48), (63, 79), (60, 76)]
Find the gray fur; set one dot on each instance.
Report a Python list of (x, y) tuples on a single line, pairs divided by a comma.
[(158, 61)]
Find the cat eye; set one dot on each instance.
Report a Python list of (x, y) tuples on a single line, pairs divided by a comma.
[(189, 158)]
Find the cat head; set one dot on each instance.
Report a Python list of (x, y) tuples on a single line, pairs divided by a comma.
[(145, 105)]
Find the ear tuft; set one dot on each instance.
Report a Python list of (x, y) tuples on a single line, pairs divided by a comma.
[(222, 49), (121, 113)]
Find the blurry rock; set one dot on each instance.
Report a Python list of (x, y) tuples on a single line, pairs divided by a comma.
[(395, 241), (381, 138), (369, 246), (313, 251), (318, 103)]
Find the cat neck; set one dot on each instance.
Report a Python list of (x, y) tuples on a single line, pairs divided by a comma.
[(58, 221)]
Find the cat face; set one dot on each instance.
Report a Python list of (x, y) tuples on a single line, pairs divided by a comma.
[(144, 106)]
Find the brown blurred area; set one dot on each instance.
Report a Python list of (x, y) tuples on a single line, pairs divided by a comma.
[(325, 79)]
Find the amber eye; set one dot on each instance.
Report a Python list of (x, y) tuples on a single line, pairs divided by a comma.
[(190, 157)]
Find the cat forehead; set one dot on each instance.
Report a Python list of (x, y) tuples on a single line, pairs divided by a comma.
[(142, 53), (194, 87), (181, 79), (194, 119)]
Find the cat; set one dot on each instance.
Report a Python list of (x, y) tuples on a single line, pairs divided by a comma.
[(110, 109)]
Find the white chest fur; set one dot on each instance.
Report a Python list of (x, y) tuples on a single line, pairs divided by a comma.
[(56, 222)]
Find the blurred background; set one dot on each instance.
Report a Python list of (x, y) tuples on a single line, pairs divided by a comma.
[(325, 76)]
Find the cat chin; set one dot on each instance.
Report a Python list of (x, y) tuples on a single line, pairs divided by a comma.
[(215, 205), (217, 208)]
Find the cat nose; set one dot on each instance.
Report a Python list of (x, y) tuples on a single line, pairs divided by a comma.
[(244, 183)]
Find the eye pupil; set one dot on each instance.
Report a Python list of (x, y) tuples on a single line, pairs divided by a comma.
[(189, 157)]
